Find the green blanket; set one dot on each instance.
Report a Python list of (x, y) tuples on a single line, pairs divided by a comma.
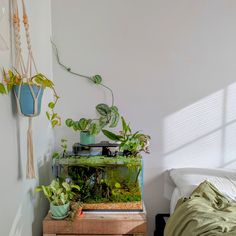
[(206, 213)]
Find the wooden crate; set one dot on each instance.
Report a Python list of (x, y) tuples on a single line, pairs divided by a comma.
[(90, 224)]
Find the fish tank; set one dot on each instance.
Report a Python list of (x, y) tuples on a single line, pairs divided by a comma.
[(106, 183)]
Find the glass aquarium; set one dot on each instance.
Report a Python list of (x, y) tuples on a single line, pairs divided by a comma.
[(107, 183)]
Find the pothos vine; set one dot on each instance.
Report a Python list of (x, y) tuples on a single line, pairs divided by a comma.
[(108, 115)]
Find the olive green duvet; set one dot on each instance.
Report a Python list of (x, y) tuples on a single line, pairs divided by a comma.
[(205, 213)]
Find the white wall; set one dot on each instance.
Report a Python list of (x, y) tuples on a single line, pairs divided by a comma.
[(172, 67), (22, 210)]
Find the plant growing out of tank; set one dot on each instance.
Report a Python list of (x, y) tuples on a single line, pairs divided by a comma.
[(131, 144), (59, 194), (64, 147)]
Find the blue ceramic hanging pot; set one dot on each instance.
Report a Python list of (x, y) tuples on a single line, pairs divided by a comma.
[(26, 99)]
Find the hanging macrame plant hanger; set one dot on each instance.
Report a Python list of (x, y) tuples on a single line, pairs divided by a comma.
[(26, 71)]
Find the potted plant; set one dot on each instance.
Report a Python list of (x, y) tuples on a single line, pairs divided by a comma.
[(29, 92), (59, 194), (131, 144), (89, 128)]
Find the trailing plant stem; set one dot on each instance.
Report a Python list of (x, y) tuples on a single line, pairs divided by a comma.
[(68, 69)]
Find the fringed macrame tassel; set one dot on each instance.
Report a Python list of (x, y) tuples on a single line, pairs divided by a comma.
[(30, 172)]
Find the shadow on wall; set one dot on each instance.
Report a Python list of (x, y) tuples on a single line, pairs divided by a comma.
[(41, 205), (17, 226), (204, 133), (36, 206)]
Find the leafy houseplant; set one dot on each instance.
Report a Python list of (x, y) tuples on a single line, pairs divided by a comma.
[(131, 144), (24, 90), (59, 195), (89, 128), (64, 147)]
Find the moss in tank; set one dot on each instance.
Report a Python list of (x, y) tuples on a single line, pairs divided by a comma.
[(100, 160)]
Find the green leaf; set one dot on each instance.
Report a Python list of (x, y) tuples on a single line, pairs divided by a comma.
[(63, 199), (10, 73), (46, 191), (9, 87), (114, 120), (48, 115), (111, 135), (2, 89), (94, 129), (38, 80), (103, 109), (69, 123), (55, 155), (55, 184), (42, 80), (76, 125), (125, 126), (66, 186), (114, 109), (75, 187), (54, 123), (102, 121), (54, 116), (97, 79), (117, 185), (51, 105), (135, 135), (83, 123), (38, 189)]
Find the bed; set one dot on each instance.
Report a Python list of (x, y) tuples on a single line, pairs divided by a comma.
[(203, 202)]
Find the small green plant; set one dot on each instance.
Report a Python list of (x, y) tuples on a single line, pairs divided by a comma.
[(64, 147), (11, 78), (129, 143), (58, 193), (107, 116)]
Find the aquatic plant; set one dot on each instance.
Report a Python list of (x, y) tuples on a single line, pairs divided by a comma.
[(103, 179), (131, 144)]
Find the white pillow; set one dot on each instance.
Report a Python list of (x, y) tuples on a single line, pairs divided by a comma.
[(187, 179)]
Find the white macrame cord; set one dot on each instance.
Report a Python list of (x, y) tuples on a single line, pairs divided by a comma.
[(26, 72)]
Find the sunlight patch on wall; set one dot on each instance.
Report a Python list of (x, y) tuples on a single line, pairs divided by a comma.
[(193, 122), (231, 103), (205, 151)]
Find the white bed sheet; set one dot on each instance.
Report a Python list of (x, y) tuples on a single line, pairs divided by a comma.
[(187, 179)]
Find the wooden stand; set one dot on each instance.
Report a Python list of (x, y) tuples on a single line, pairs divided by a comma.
[(109, 224)]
